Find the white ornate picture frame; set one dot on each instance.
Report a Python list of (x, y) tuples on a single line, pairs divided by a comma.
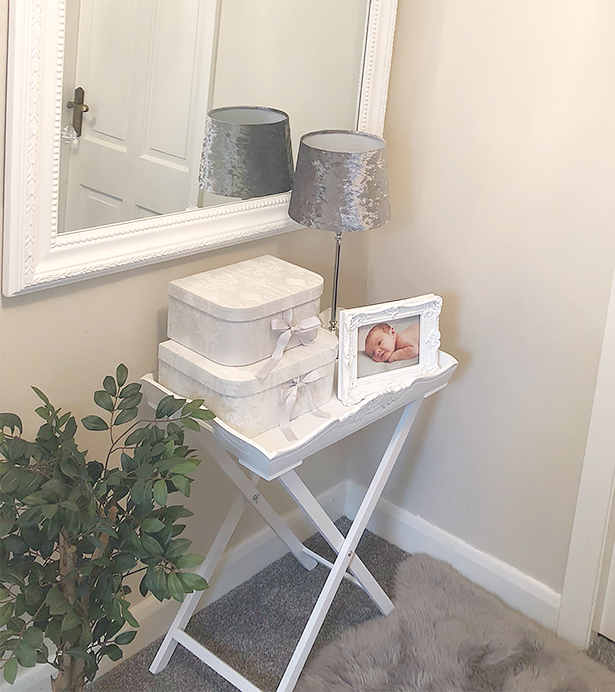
[(357, 381)]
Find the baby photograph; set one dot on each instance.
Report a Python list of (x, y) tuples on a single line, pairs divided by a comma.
[(385, 346)]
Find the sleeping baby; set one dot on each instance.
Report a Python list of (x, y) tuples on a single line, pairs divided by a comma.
[(384, 345)]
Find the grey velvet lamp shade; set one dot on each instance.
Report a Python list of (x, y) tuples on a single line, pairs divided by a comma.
[(341, 182), (246, 152)]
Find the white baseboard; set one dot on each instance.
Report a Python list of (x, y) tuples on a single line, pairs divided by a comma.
[(237, 565), (415, 535)]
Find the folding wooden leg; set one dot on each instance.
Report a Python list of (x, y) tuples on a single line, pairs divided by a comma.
[(321, 521), (248, 489), (348, 547)]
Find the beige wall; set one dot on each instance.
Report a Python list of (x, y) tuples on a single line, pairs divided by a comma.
[(64, 341), (502, 150)]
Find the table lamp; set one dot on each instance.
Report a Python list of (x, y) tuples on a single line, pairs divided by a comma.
[(340, 185), (246, 152)]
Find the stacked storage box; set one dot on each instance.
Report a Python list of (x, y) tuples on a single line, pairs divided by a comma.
[(246, 338)]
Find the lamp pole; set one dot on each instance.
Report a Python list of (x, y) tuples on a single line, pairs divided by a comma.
[(336, 274)]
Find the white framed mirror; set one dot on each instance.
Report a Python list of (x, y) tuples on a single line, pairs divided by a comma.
[(59, 227)]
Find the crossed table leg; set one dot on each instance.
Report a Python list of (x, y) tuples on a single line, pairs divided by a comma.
[(347, 564)]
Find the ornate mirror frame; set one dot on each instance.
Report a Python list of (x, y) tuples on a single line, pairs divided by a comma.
[(36, 256)]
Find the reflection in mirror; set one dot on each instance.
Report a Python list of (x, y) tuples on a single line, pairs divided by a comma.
[(150, 71), (246, 152)]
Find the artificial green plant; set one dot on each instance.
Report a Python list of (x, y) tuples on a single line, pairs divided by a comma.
[(73, 530)]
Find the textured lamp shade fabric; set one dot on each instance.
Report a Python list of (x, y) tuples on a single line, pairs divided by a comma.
[(246, 152), (341, 182)]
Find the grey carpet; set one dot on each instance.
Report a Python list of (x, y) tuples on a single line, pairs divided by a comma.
[(256, 626)]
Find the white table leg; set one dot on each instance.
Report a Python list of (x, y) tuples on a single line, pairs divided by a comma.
[(299, 657), (205, 570), (323, 523), (248, 489)]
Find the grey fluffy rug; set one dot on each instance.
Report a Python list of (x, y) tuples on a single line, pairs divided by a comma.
[(448, 635)]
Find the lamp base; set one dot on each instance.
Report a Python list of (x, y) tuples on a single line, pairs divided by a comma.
[(325, 318)]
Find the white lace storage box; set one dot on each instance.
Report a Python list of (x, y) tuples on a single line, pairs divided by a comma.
[(226, 314), (300, 382)]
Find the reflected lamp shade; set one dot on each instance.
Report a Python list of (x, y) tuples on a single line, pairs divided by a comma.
[(246, 152), (341, 182)]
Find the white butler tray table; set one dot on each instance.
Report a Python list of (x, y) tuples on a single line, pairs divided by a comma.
[(270, 456)]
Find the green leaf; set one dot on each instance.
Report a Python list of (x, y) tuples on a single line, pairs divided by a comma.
[(15, 544), (96, 542), (136, 436), (43, 412), (168, 405), (6, 611), (176, 512), (152, 525), (109, 385), (130, 390), (182, 484), (70, 505), (34, 595), (34, 637), (160, 492), (95, 469), (192, 406), (186, 468), (71, 620), (10, 420), (189, 561), (103, 399), (26, 655), (203, 414), (41, 395), (131, 401), (56, 601), (94, 423), (121, 374), (10, 670), (130, 618), (54, 631), (193, 581), (125, 638), (191, 424), (112, 651), (176, 588), (20, 605), (49, 511), (124, 563), (126, 415), (177, 548), (151, 545), (137, 492)]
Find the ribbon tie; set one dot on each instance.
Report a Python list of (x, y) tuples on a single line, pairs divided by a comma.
[(305, 330), (290, 399)]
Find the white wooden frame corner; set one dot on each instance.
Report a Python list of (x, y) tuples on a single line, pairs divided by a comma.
[(352, 388)]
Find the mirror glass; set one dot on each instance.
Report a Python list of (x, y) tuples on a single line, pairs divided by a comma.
[(151, 69)]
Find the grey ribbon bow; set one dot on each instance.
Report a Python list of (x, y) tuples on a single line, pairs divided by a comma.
[(290, 400), (305, 330)]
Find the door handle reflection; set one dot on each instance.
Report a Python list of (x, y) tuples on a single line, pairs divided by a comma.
[(79, 108)]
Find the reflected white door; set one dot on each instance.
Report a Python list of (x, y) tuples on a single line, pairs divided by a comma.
[(145, 67)]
